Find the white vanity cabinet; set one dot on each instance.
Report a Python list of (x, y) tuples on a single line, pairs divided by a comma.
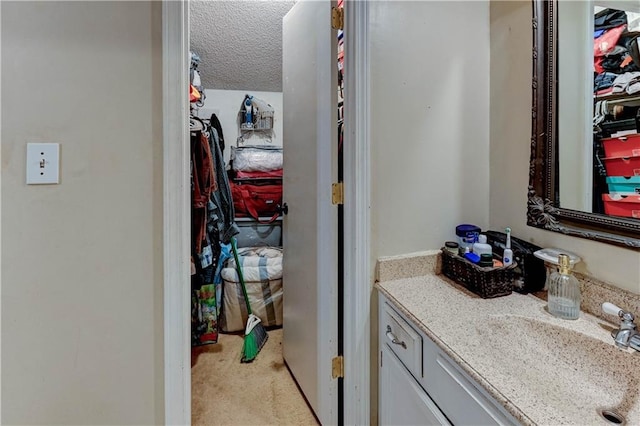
[(420, 385)]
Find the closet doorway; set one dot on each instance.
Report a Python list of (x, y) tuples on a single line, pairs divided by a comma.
[(247, 110), (358, 265)]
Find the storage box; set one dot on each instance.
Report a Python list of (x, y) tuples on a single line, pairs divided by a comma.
[(622, 166), (622, 146), (256, 234), (624, 185), (620, 205), (486, 282)]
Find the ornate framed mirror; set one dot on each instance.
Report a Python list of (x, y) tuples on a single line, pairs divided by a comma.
[(554, 128)]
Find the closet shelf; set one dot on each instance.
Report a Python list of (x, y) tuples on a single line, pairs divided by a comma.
[(618, 98), (249, 129)]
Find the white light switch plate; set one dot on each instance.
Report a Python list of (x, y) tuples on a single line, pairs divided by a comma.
[(43, 163)]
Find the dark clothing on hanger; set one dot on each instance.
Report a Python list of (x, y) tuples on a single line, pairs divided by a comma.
[(215, 123), (221, 212)]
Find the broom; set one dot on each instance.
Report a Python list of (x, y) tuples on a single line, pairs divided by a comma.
[(255, 336)]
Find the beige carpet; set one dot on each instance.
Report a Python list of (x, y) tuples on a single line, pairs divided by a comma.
[(226, 392)]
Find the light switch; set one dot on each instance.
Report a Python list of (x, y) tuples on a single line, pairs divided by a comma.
[(43, 163)]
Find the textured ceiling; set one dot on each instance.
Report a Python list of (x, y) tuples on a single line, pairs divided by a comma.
[(239, 43)]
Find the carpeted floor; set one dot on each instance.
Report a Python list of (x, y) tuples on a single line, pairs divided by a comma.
[(226, 392)]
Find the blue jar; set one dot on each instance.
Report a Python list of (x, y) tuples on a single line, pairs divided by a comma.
[(467, 234)]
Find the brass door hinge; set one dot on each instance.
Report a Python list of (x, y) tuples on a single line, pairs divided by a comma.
[(337, 193), (337, 18), (337, 367)]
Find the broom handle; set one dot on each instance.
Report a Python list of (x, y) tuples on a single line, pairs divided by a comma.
[(240, 276)]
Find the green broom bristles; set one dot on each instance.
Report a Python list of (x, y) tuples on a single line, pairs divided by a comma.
[(254, 339), (255, 336)]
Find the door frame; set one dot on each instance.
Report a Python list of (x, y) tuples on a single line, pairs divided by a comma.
[(176, 213), (358, 272)]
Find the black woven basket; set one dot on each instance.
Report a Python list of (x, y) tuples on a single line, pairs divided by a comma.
[(486, 282)]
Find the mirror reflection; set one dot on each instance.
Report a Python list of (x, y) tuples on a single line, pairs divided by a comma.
[(598, 107)]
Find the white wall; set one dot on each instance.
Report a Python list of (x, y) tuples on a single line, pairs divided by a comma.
[(510, 149), (82, 273), (430, 122), (429, 128), (226, 104)]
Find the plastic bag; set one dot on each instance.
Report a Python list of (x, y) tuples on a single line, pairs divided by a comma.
[(262, 272), (256, 158)]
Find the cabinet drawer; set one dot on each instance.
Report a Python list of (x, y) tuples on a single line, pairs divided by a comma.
[(402, 339)]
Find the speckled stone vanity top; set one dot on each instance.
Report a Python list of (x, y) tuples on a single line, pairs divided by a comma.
[(542, 369)]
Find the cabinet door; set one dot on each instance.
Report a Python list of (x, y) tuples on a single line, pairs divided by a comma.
[(456, 393), (402, 400)]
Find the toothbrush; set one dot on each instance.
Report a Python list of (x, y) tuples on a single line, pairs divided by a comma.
[(507, 255)]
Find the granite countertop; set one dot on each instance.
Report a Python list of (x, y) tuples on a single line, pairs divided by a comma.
[(556, 380)]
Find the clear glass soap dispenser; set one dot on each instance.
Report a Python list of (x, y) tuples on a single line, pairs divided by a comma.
[(564, 291)]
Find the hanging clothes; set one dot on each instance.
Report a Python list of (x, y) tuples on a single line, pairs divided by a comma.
[(213, 225), (215, 124), (203, 184), (221, 212), (220, 224), (204, 312)]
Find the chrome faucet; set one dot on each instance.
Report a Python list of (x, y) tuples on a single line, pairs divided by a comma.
[(627, 335)]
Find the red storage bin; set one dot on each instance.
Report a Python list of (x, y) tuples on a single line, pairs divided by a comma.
[(626, 206), (622, 166), (622, 146)]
